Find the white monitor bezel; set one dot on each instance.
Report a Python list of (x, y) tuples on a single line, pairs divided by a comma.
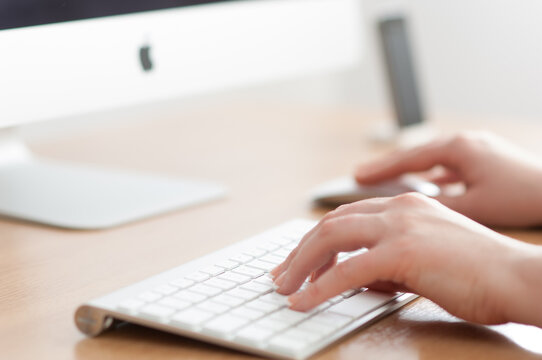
[(66, 69)]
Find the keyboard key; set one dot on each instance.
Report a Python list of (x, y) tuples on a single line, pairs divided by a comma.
[(273, 259), (288, 316), (290, 247), (221, 284), (265, 280), (236, 278), (303, 335), (263, 306), (255, 252), (248, 271), (206, 290), (228, 264), (349, 293), (247, 312), (191, 318), (214, 307), (189, 296), (268, 246), (131, 305), (224, 325), (361, 303), (316, 327), (149, 296), (257, 287), (287, 344), (331, 319), (336, 299), (241, 258), (271, 324), (279, 240), (275, 298), (246, 295), (213, 270), (198, 276), (323, 306), (156, 312), (282, 253), (165, 290), (231, 301), (174, 303), (182, 283), (296, 232), (358, 252), (253, 335), (262, 265)]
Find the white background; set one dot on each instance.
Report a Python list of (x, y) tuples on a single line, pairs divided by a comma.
[(480, 58), (475, 58)]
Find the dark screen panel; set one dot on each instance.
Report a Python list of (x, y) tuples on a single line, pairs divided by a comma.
[(21, 13)]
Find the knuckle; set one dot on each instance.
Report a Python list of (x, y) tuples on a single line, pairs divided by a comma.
[(343, 208), (468, 140), (345, 273), (412, 199), (327, 228), (332, 214), (337, 212), (405, 221)]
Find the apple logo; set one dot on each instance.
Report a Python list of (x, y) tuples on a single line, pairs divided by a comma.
[(145, 58)]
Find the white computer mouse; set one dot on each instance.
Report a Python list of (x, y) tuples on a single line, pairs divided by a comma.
[(346, 190)]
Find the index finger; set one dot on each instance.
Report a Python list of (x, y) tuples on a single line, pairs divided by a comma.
[(346, 233), (421, 158), (353, 273), (365, 206)]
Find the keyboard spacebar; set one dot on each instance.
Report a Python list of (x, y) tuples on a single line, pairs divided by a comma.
[(362, 303)]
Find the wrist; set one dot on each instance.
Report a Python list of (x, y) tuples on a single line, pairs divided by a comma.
[(525, 295)]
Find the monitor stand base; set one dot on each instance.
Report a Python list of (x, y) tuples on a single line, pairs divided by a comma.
[(402, 138), (82, 197)]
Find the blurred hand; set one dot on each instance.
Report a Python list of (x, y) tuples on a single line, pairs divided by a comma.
[(417, 245), (503, 184)]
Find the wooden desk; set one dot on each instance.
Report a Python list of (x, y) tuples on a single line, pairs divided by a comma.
[(268, 157)]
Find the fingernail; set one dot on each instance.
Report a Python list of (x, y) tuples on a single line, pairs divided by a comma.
[(276, 271), (280, 280), (296, 300)]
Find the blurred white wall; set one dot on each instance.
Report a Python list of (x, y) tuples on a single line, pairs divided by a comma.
[(475, 57)]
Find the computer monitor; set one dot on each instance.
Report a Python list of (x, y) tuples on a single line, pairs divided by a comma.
[(62, 58)]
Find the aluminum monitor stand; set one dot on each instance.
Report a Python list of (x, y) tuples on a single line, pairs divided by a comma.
[(81, 197), (411, 127)]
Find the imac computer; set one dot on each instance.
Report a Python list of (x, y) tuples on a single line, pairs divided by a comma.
[(63, 58)]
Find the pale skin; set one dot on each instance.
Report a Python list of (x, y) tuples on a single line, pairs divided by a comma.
[(434, 247)]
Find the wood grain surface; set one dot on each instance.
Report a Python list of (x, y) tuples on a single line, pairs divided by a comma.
[(269, 156)]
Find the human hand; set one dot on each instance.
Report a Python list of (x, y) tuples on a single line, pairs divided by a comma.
[(416, 245), (503, 184)]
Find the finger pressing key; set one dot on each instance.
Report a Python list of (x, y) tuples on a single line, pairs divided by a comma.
[(346, 233), (353, 273)]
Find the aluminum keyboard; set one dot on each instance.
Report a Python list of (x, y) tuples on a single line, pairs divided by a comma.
[(227, 298)]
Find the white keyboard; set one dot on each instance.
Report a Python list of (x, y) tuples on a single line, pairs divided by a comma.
[(227, 298)]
